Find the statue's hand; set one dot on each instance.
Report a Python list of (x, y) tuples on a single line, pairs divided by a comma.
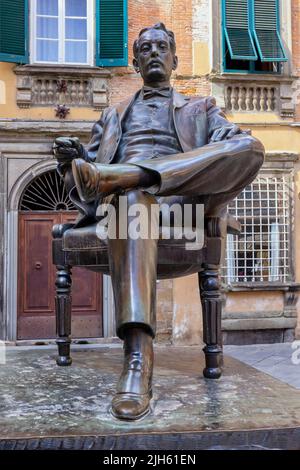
[(225, 132), (65, 149)]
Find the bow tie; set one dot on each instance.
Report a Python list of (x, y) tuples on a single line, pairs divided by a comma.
[(151, 92)]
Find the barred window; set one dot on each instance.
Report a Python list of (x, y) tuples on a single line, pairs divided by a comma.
[(262, 252)]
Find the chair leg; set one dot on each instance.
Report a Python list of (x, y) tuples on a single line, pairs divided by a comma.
[(212, 312), (63, 305)]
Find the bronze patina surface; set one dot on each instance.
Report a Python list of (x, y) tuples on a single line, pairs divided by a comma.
[(156, 145), (42, 406)]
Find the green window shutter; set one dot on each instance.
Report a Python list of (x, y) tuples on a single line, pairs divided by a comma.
[(111, 33), (14, 31), (266, 31), (236, 24)]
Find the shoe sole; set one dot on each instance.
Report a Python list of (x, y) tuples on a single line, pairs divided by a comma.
[(127, 418), (136, 418)]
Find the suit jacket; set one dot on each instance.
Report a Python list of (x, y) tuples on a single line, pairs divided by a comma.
[(195, 120)]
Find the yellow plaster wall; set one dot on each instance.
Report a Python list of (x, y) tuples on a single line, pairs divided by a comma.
[(277, 137), (9, 108), (201, 62), (187, 311), (2, 92), (253, 302)]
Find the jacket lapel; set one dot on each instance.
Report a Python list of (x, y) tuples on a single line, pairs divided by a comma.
[(179, 101), (123, 107), (113, 130), (112, 133)]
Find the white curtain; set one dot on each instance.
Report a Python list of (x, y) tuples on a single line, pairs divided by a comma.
[(231, 269), (50, 45), (47, 31), (275, 246)]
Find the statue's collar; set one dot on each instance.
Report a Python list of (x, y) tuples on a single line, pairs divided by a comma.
[(179, 101)]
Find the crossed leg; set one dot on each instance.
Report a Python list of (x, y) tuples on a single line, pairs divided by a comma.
[(215, 173)]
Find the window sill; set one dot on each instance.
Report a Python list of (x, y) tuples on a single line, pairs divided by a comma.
[(78, 70), (262, 286), (257, 77), (289, 292), (254, 93), (49, 85)]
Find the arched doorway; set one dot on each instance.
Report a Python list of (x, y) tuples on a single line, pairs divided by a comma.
[(43, 203)]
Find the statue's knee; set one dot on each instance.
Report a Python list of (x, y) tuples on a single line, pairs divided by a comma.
[(253, 153)]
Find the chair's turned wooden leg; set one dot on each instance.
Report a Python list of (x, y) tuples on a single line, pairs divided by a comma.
[(212, 311), (63, 305)]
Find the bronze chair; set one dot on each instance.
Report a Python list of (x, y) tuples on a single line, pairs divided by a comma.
[(81, 247)]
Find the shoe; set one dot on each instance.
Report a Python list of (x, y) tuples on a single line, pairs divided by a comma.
[(134, 389), (87, 179)]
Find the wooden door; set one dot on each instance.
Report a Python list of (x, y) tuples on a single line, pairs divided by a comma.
[(36, 282)]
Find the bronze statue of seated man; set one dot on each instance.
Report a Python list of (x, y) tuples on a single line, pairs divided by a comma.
[(158, 146)]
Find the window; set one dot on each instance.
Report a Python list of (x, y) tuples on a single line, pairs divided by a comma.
[(251, 36), (62, 31), (262, 252), (72, 32)]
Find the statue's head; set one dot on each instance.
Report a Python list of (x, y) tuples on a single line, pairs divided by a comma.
[(155, 54)]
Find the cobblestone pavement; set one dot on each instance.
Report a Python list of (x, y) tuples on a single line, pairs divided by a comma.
[(281, 361)]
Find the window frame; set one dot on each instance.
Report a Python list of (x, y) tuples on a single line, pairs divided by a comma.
[(251, 63), (289, 275), (61, 35)]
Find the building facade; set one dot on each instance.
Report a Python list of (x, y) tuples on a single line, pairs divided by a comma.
[(61, 63)]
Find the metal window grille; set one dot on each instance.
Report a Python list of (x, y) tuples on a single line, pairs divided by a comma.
[(46, 192), (262, 252)]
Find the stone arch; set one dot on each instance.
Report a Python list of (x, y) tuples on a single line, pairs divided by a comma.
[(25, 179)]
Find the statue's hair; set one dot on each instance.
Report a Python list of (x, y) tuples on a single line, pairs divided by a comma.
[(161, 27)]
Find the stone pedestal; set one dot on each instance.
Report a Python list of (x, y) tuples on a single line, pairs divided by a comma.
[(44, 406)]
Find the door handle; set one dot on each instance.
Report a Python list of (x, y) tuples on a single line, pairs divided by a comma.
[(38, 265)]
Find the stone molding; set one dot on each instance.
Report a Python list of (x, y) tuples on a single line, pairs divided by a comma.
[(55, 85)]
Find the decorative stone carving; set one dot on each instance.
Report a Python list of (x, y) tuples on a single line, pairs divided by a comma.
[(47, 86), (62, 86), (251, 98), (290, 301), (61, 111), (287, 105), (254, 93)]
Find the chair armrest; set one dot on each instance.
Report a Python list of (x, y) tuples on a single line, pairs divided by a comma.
[(59, 229), (233, 225)]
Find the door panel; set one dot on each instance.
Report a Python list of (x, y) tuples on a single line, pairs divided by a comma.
[(36, 265), (36, 282)]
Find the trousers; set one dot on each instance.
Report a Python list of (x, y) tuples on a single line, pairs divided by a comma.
[(213, 175)]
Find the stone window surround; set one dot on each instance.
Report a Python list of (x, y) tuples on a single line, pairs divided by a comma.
[(280, 83), (33, 32), (287, 319), (275, 162), (50, 85)]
